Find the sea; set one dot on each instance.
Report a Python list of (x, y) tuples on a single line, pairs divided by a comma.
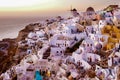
[(10, 27)]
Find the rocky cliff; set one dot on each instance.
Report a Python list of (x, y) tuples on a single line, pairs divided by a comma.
[(9, 51), (23, 33)]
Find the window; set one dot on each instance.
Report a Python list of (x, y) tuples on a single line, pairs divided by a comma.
[(90, 44), (87, 44), (65, 45), (80, 63), (57, 52), (83, 45), (58, 45)]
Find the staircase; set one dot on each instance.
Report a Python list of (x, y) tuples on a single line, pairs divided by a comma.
[(46, 54)]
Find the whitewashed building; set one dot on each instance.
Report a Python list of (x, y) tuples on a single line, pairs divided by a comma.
[(57, 51), (61, 41)]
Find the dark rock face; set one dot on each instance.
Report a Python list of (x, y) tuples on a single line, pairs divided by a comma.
[(21, 36), (7, 51), (10, 53), (24, 33)]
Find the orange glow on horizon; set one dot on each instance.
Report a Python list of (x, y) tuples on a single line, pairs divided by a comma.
[(48, 7)]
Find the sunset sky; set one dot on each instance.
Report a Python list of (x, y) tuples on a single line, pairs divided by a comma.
[(15, 14), (48, 7)]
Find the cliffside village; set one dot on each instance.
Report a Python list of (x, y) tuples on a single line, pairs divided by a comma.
[(85, 46)]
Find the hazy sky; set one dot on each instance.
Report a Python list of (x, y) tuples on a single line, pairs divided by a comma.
[(48, 7)]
